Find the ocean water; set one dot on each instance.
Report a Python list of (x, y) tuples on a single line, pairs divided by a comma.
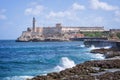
[(21, 60)]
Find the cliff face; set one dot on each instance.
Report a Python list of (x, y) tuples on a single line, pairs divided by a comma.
[(36, 37), (29, 36)]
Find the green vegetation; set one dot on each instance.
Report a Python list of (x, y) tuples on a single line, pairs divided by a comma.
[(94, 34), (118, 35)]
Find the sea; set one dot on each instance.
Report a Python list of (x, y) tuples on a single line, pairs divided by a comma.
[(22, 60)]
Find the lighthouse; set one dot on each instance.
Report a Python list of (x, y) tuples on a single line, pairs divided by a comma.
[(33, 24)]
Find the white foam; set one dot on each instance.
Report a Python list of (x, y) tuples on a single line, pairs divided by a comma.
[(98, 56), (82, 46), (93, 47), (107, 47), (64, 63), (18, 78)]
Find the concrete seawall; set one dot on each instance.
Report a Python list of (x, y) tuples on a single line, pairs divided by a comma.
[(87, 38), (102, 43)]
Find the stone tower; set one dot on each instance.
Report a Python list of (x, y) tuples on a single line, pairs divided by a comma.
[(33, 24)]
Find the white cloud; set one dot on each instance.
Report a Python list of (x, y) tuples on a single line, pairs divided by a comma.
[(77, 6), (117, 13), (70, 13), (117, 20), (34, 9), (2, 17), (117, 16), (2, 10), (2, 14), (96, 4), (58, 14)]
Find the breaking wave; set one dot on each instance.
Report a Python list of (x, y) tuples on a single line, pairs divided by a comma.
[(65, 62), (93, 47), (99, 56), (82, 46), (18, 78)]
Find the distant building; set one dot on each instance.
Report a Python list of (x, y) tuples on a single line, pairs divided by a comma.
[(59, 29), (82, 29), (57, 32), (114, 30)]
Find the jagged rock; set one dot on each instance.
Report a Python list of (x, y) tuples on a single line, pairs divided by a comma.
[(104, 51), (109, 76), (86, 70), (109, 53), (115, 63), (83, 71)]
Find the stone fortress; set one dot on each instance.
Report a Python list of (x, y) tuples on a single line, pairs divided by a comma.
[(58, 32)]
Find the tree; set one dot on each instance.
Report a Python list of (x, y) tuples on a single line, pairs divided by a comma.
[(118, 35)]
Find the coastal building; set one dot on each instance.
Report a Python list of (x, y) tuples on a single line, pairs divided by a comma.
[(114, 30), (82, 29), (59, 31), (62, 29), (34, 29)]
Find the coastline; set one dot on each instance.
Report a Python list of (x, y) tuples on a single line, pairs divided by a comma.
[(109, 68)]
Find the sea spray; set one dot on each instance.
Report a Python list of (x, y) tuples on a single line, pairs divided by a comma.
[(107, 47), (65, 62), (99, 56), (93, 47), (81, 46), (18, 78)]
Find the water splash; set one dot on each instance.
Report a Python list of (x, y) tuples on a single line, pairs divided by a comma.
[(18, 78), (107, 47), (93, 47), (65, 62), (99, 56), (82, 46)]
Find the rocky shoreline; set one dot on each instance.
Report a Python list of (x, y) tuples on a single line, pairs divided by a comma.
[(108, 69)]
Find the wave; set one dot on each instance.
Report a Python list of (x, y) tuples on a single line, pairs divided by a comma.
[(82, 46), (105, 47), (93, 47), (18, 78), (65, 62), (99, 56)]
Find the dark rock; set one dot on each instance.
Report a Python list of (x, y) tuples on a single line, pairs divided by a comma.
[(112, 54), (109, 53), (104, 51), (115, 63), (110, 76), (54, 75), (85, 70)]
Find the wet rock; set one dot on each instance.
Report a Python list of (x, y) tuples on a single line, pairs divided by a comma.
[(80, 77), (112, 54), (109, 53), (85, 70), (110, 76), (54, 75), (104, 63), (104, 51)]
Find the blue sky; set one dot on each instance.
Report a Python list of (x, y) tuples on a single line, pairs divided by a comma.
[(16, 15)]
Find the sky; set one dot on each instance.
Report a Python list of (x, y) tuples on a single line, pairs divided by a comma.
[(16, 15)]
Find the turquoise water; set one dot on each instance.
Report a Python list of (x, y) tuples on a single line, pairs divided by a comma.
[(21, 60)]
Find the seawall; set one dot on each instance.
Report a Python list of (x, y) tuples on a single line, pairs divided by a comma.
[(87, 38), (102, 43)]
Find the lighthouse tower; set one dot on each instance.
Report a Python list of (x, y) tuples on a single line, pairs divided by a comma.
[(34, 24)]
